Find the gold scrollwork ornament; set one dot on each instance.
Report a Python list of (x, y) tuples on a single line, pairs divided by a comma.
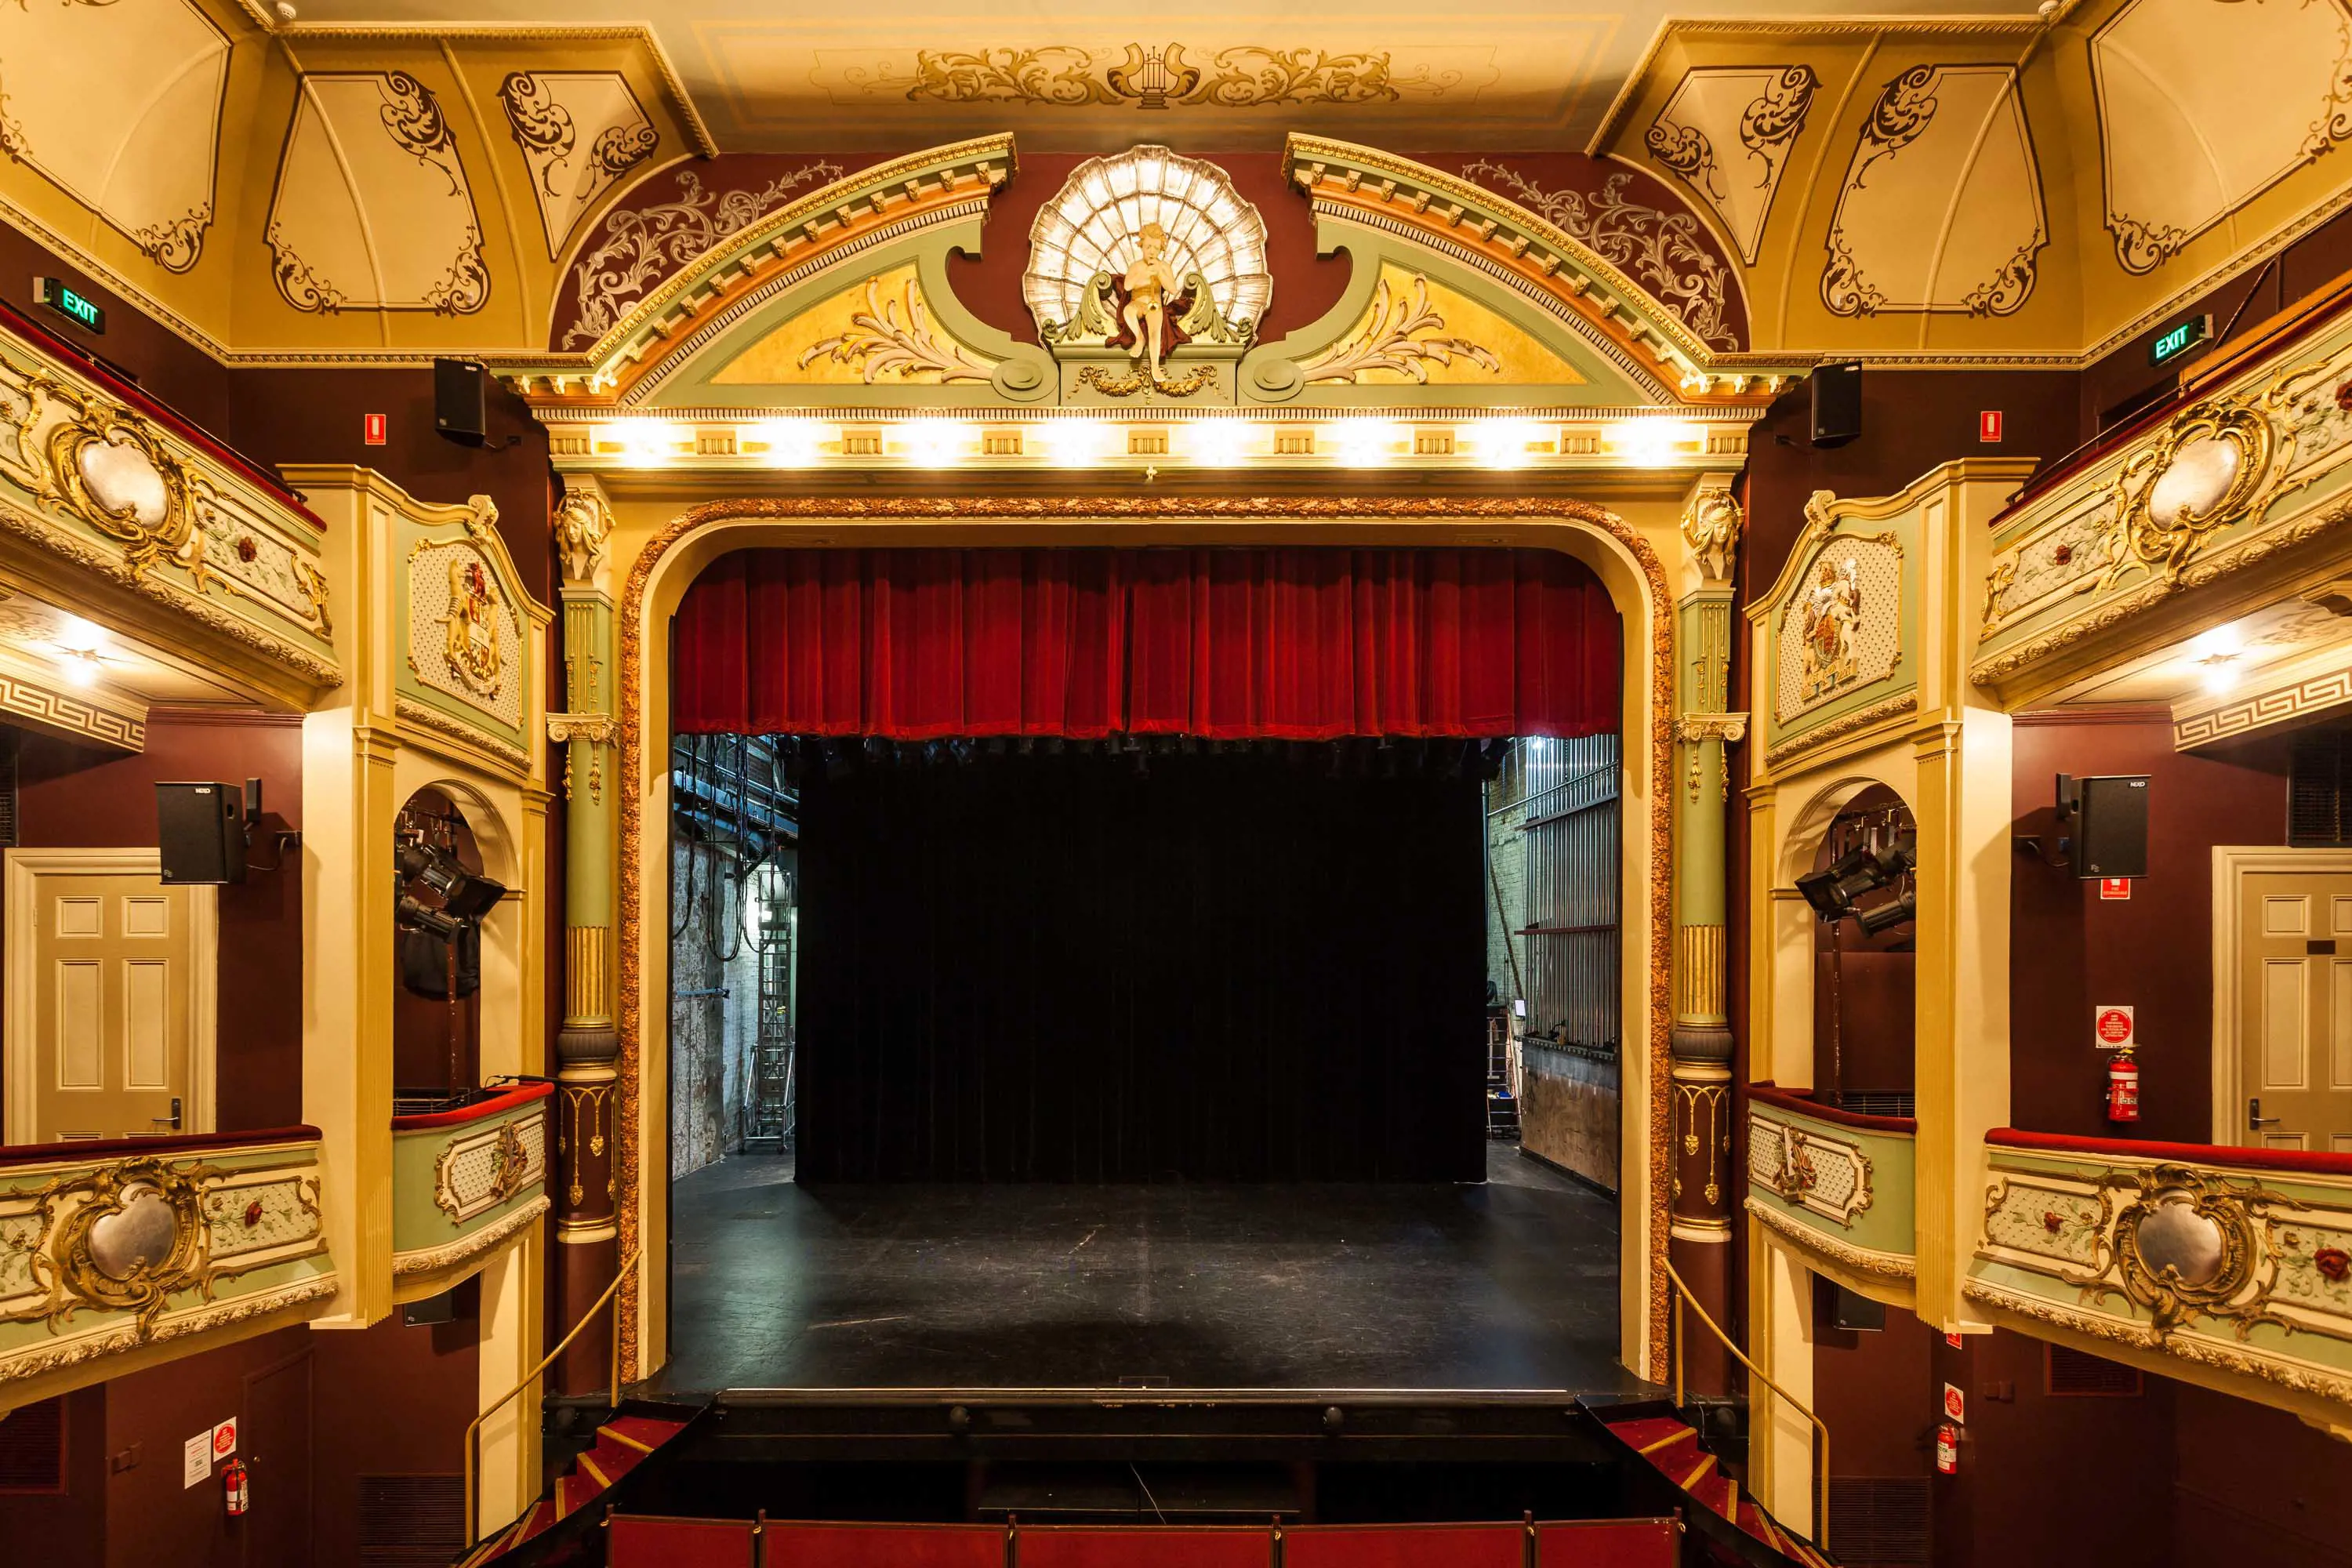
[(105, 466), (135, 1237)]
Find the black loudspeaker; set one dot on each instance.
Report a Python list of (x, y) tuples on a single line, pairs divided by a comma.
[(2105, 819), (200, 829), (1837, 403), (461, 400)]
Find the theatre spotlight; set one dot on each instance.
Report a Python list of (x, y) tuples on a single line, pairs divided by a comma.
[(439, 924), (464, 895), (1887, 916), (1832, 891)]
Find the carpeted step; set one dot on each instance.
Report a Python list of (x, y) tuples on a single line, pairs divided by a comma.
[(1715, 1490), (642, 1433)]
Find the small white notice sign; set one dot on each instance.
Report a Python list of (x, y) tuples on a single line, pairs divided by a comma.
[(196, 1460)]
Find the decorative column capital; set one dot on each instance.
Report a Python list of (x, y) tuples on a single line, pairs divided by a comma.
[(1712, 524), (1725, 727)]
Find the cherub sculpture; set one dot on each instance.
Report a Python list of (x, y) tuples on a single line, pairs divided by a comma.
[(1149, 282)]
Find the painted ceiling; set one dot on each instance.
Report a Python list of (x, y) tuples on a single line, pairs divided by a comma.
[(377, 179)]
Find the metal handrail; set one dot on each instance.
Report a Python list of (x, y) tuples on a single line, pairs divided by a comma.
[(474, 1432), (1821, 1432)]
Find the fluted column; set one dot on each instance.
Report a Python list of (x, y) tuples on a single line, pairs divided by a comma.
[(588, 1048), (1700, 1073)]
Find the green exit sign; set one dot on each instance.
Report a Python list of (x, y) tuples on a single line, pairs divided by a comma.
[(71, 303), (2172, 344)]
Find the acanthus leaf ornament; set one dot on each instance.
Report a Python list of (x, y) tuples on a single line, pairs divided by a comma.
[(105, 466), (1400, 336), (881, 339)]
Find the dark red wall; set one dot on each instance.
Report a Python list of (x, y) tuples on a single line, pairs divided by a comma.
[(78, 797), (2071, 951)]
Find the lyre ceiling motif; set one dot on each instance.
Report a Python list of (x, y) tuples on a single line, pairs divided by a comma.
[(2203, 105), (1094, 224), (120, 105), (1941, 209), (1727, 134), (580, 132), (372, 206)]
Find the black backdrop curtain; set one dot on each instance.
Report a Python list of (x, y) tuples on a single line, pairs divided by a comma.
[(1235, 965)]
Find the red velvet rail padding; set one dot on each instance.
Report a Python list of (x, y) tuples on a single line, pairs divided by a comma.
[(882, 1546), (1142, 1546), (1405, 1546), (637, 1542), (1229, 644), (1609, 1544)]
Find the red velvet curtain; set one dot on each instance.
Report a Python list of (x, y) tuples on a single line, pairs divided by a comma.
[(1231, 644)]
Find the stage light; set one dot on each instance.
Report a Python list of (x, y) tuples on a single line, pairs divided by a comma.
[(1217, 443), (1652, 443), (1503, 443), (439, 924), (937, 443), (1887, 916), (1833, 891), (791, 443), (1367, 442), (465, 896), (648, 441)]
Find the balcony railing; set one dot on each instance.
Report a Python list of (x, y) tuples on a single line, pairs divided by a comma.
[(2234, 1266), (464, 1181), (110, 1248), (1836, 1182)]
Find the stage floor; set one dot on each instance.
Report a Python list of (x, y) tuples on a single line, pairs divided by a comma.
[(1511, 1285)]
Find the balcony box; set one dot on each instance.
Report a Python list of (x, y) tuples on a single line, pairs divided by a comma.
[(1836, 1186), (465, 1182)]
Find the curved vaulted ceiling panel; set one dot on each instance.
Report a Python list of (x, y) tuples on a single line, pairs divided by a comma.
[(2203, 105), (1941, 207), (372, 206), (120, 105), (581, 133), (1727, 134)]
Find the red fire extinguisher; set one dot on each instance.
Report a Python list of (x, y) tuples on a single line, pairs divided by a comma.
[(1947, 1449), (2123, 1088), (233, 1480)]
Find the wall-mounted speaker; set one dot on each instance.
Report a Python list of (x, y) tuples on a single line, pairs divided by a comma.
[(2105, 819), (461, 400), (200, 830), (1837, 403)]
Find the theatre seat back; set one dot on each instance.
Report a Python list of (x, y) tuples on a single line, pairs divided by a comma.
[(1608, 1543), (882, 1546), (637, 1541), (1405, 1546), (1142, 1546)]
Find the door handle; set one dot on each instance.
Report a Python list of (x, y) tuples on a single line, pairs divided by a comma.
[(173, 1121), (2255, 1120)]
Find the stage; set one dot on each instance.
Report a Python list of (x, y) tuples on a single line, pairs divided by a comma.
[(1460, 1288)]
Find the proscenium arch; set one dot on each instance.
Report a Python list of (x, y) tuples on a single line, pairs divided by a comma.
[(1626, 564)]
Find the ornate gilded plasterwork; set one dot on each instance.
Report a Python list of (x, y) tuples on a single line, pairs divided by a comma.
[(1161, 76), (1843, 629), (374, 208), (472, 1245), (465, 628), (1045, 513), (2201, 109), (639, 247), (1844, 724), (1400, 335), (119, 105), (579, 132), (1659, 250), (1759, 110), (1086, 251), (1822, 1175), (1941, 206), (2188, 1253), (128, 1236), (482, 1168), (1861, 1259), (1711, 525), (581, 525), (897, 336)]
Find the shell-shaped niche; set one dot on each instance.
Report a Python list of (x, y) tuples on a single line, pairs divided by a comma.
[(1093, 221)]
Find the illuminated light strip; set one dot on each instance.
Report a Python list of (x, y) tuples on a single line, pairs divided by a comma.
[(990, 438)]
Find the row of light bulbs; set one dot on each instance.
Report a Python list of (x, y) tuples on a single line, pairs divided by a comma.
[(1493, 443)]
